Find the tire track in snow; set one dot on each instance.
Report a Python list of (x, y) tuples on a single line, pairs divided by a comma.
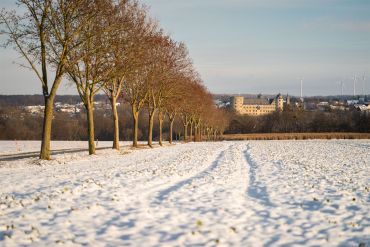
[(164, 194), (213, 197), (256, 189), (158, 177)]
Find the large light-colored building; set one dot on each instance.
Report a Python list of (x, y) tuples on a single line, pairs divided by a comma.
[(257, 107)]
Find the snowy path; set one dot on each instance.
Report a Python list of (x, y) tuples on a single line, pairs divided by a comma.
[(227, 193)]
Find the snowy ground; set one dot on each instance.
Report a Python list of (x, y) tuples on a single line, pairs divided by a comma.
[(227, 193)]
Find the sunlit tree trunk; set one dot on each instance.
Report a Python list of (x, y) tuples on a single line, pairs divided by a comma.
[(115, 124), (150, 132), (90, 126), (191, 131), (135, 118), (46, 130), (195, 139), (172, 119), (185, 132), (160, 120)]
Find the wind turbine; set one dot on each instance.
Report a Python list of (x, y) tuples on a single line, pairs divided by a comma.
[(363, 84), (354, 85), (302, 88), (341, 83)]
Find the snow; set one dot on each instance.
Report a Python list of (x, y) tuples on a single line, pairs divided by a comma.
[(205, 194)]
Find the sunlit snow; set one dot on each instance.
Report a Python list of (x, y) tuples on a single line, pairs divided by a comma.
[(223, 193)]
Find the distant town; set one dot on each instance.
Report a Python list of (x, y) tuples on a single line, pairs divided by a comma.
[(244, 104)]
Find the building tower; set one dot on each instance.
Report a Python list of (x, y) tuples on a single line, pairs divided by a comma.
[(279, 102), (237, 103)]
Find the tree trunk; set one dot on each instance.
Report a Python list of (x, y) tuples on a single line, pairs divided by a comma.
[(210, 134), (195, 139), (115, 124), (191, 131), (185, 132), (90, 126), (150, 132), (199, 134), (46, 130), (172, 119), (201, 128), (160, 119), (135, 118)]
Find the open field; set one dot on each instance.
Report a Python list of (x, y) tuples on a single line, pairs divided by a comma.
[(295, 136), (243, 193)]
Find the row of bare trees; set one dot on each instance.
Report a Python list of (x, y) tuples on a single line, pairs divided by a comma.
[(114, 47)]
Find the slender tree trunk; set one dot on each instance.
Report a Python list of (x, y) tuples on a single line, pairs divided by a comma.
[(150, 132), (160, 119), (210, 134), (90, 126), (195, 139), (185, 132), (135, 118), (201, 132), (46, 130), (115, 123), (172, 119), (191, 131), (197, 131)]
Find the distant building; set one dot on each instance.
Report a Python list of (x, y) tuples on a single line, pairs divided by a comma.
[(362, 107), (352, 102), (35, 109), (257, 107), (323, 106), (67, 108)]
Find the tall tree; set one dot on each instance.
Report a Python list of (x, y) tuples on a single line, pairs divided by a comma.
[(135, 88), (176, 67), (127, 17), (42, 35), (159, 68), (87, 66)]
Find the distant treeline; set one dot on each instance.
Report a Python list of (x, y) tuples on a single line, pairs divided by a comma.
[(16, 124), (300, 122), (296, 136), (29, 100)]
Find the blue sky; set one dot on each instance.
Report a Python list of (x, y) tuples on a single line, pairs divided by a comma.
[(256, 46)]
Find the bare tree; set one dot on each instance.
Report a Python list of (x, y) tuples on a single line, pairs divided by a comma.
[(157, 77), (127, 17), (135, 88), (172, 88), (173, 106), (42, 36), (87, 65)]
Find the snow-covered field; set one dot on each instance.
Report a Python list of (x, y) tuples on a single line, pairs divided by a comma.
[(226, 193)]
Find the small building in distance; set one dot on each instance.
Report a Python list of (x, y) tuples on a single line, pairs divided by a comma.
[(257, 107)]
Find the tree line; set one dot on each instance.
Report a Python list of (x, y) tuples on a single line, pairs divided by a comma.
[(300, 122), (18, 124), (113, 47)]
